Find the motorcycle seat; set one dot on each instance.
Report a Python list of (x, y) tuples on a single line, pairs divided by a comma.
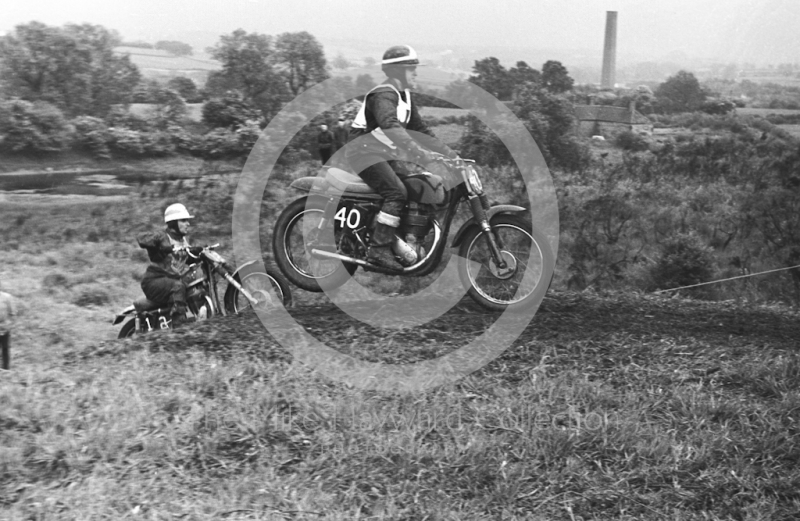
[(345, 181), (144, 304)]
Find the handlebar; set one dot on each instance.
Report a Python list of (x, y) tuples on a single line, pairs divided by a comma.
[(188, 249), (459, 161)]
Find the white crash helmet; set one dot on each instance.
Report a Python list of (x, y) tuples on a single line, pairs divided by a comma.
[(176, 212), (401, 56)]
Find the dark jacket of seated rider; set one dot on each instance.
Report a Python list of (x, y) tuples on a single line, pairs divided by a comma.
[(169, 260)]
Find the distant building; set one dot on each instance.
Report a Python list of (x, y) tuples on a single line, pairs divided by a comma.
[(607, 121)]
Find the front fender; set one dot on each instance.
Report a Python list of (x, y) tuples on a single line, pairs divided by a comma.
[(230, 289), (130, 310), (248, 263), (494, 210)]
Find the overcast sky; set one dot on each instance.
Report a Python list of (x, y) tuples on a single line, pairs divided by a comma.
[(731, 30)]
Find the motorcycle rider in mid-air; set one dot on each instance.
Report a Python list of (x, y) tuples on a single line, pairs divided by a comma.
[(168, 251), (381, 123)]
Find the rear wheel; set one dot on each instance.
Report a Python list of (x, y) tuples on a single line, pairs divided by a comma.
[(128, 329), (297, 224), (529, 265)]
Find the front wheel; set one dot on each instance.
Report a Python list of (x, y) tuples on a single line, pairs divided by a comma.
[(296, 224), (529, 265), (128, 329), (270, 289)]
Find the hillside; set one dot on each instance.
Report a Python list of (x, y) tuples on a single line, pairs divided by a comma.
[(607, 407)]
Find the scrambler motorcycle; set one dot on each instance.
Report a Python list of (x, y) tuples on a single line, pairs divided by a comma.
[(321, 239), (206, 270)]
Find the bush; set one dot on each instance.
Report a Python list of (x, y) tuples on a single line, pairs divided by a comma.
[(571, 154), (170, 108), (157, 144), (220, 143), (484, 146), (458, 120), (91, 134), (122, 117), (126, 141), (631, 141), (684, 261), (229, 112), (140, 144), (717, 106), (184, 141), (33, 127), (186, 88), (783, 119)]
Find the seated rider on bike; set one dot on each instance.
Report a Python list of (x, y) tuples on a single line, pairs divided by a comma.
[(381, 125), (168, 255)]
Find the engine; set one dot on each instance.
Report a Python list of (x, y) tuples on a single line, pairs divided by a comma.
[(415, 224)]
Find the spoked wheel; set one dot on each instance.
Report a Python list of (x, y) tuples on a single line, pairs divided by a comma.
[(128, 329), (296, 225), (529, 268), (270, 289), (202, 310)]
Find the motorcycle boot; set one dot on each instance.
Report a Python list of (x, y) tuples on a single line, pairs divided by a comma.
[(380, 251), (178, 315)]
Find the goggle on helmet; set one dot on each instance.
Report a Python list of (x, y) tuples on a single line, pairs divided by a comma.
[(399, 56)]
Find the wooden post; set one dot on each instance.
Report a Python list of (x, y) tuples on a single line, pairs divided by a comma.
[(4, 347)]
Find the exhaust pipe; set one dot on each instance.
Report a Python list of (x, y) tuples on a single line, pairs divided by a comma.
[(437, 235), (343, 258)]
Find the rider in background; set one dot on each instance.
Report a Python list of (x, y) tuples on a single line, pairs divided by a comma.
[(387, 111), (168, 253)]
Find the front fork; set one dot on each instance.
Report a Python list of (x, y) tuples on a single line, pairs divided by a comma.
[(232, 281), (480, 205)]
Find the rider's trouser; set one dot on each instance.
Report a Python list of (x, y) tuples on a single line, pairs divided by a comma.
[(382, 176), (161, 286)]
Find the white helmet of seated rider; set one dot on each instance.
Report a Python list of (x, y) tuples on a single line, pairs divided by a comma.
[(397, 60), (176, 212)]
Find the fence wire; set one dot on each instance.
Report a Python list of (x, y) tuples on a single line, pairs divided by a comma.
[(729, 278)]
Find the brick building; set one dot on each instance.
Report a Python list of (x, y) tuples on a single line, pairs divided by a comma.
[(607, 121)]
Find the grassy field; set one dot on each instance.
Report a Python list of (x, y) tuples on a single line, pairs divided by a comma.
[(162, 60), (608, 406)]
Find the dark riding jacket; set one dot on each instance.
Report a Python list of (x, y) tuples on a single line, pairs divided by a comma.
[(381, 117), (164, 261)]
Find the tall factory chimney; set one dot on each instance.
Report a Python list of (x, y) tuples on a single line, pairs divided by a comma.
[(610, 52)]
